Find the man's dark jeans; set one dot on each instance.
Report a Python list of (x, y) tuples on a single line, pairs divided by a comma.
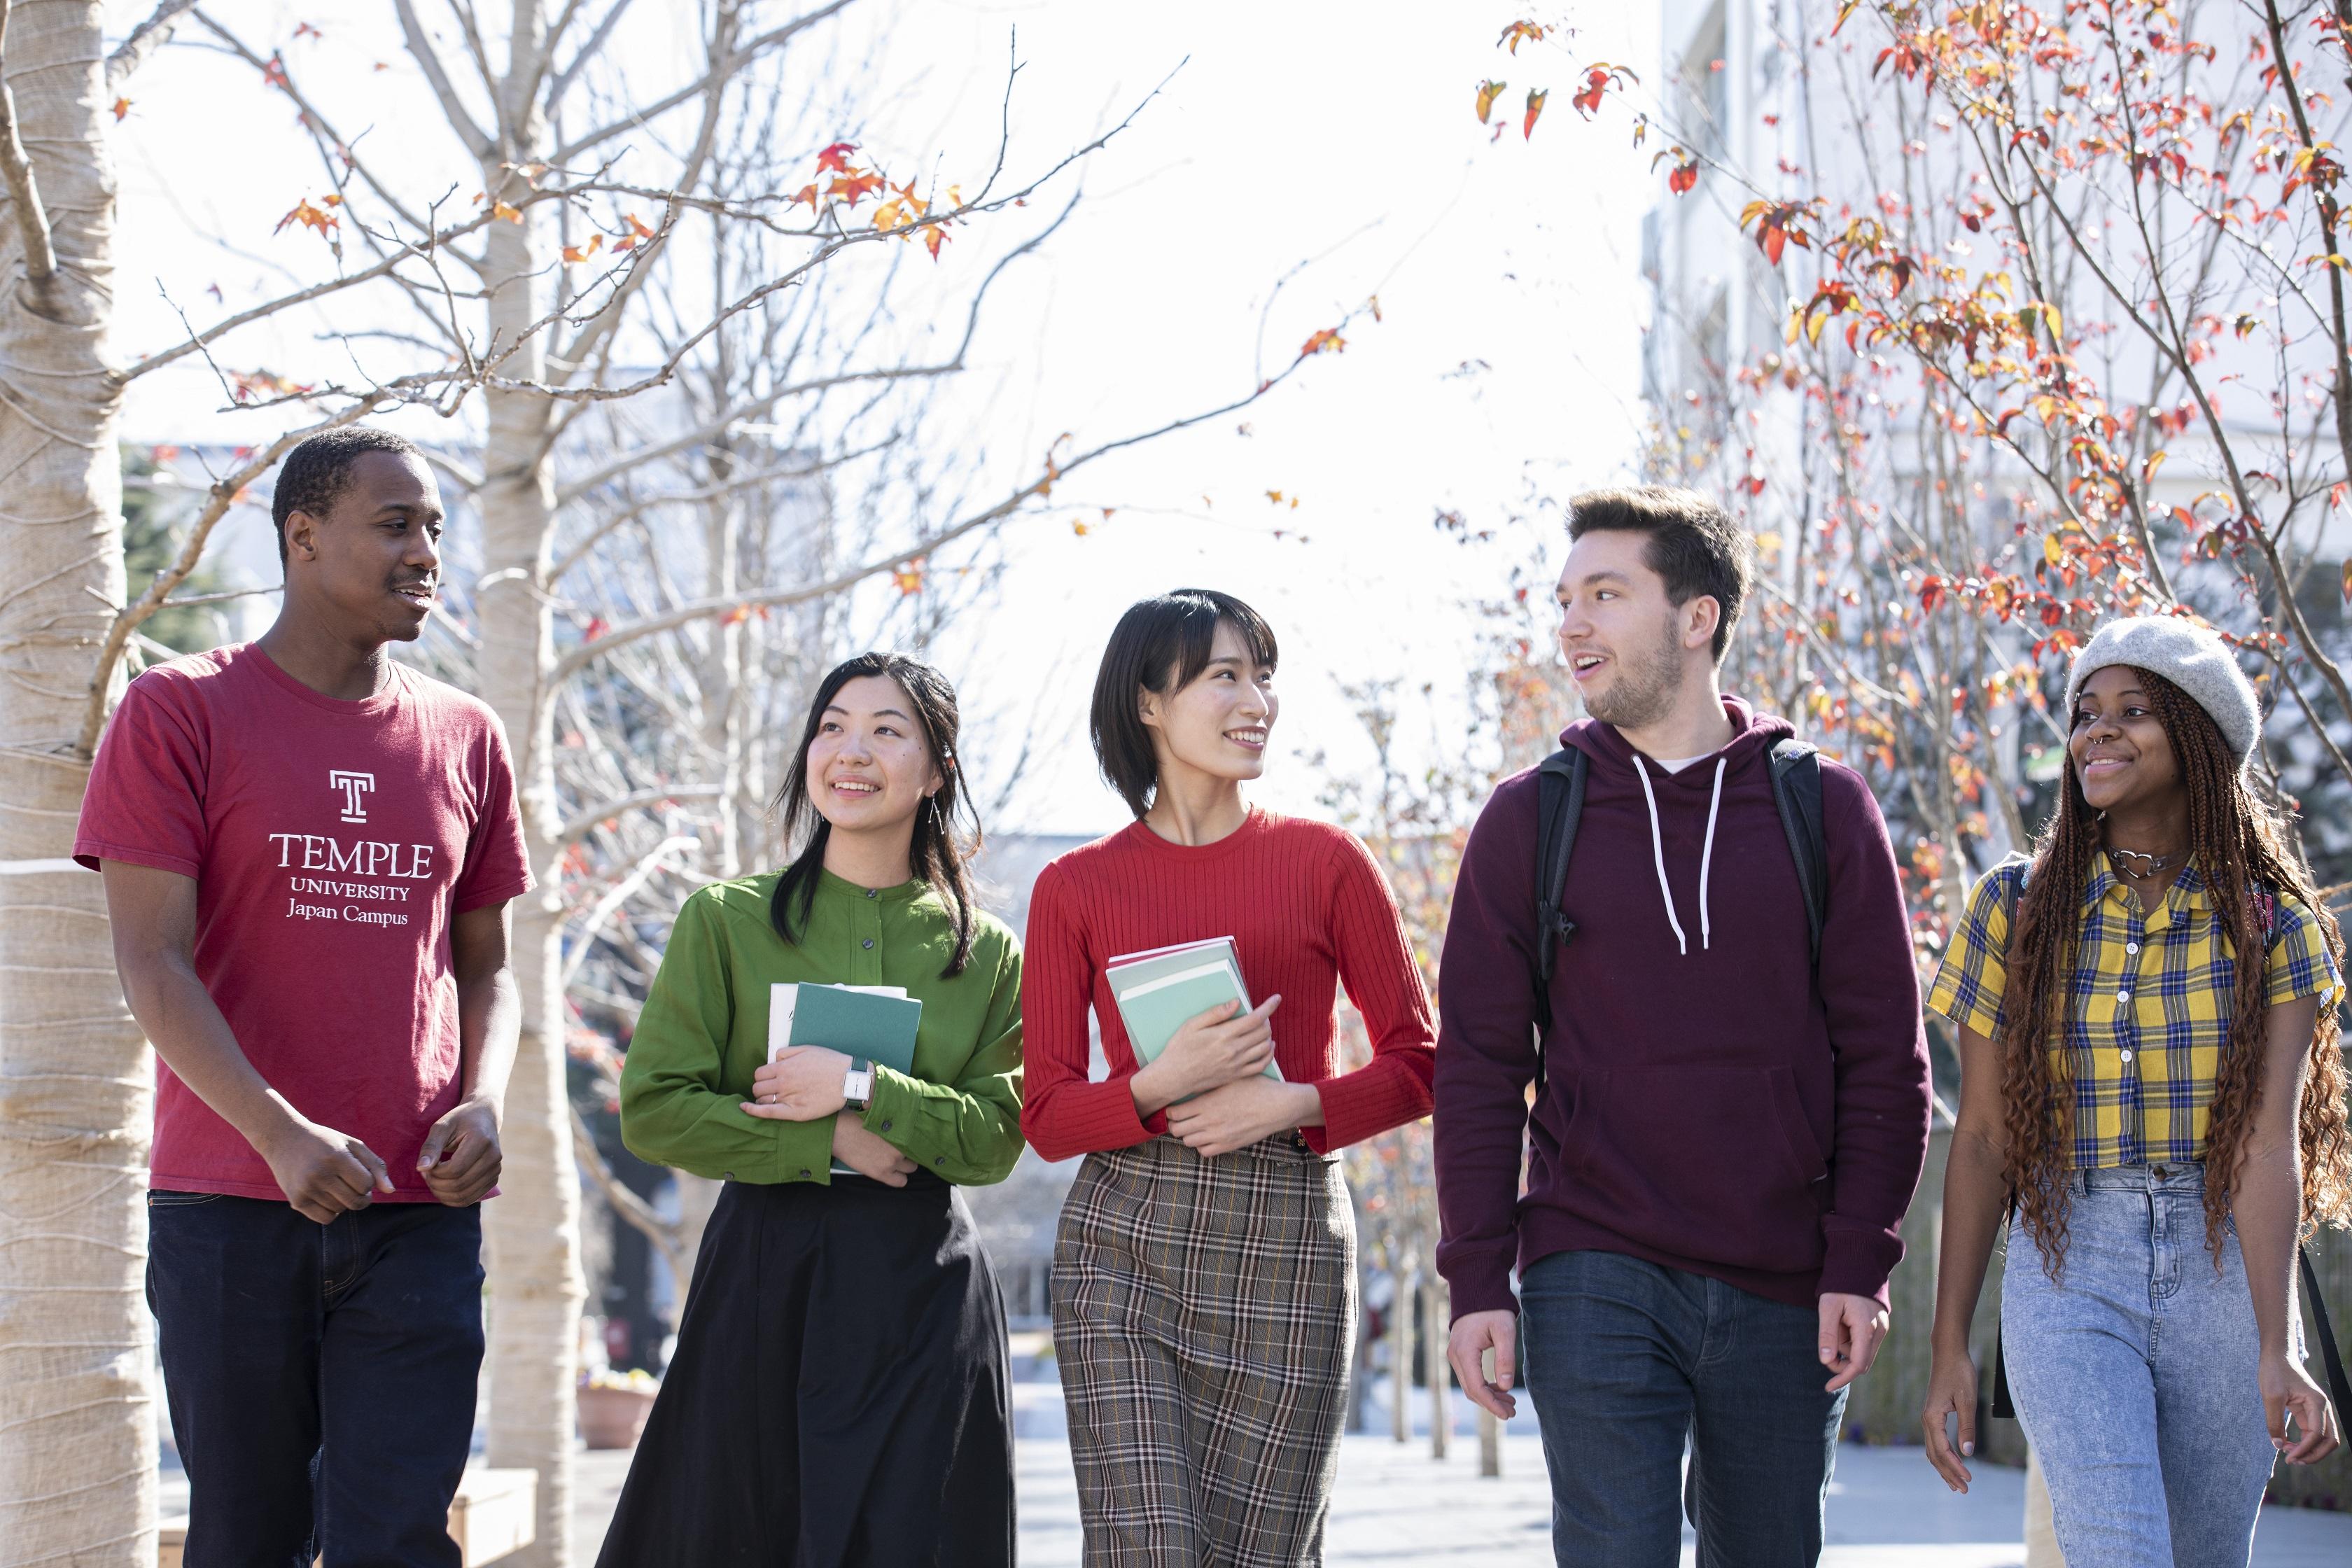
[(321, 1377), (1624, 1359)]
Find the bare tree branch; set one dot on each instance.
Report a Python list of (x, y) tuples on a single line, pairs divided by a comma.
[(587, 53), (476, 139), (585, 822), (621, 636), (145, 38), (426, 246), (24, 196), (633, 1210), (725, 70), (283, 79)]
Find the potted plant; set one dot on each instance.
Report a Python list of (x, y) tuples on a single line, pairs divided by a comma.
[(613, 1406)]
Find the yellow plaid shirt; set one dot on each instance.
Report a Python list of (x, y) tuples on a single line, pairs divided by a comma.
[(2148, 1009)]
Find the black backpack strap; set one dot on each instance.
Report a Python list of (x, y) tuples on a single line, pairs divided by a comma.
[(1797, 791), (2340, 1388), (1560, 785)]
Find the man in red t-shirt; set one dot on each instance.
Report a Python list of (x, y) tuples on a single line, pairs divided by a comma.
[(309, 850)]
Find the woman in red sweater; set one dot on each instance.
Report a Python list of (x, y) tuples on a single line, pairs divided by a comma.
[(1204, 1275)]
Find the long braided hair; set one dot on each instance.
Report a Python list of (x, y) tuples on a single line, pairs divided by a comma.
[(2239, 846)]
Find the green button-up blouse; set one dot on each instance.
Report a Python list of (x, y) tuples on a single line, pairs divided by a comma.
[(704, 1032)]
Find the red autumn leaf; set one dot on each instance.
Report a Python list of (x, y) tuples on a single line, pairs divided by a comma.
[(304, 30), (1771, 239), (835, 158), (1327, 341), (1682, 177), (273, 73), (1534, 107), (595, 628)]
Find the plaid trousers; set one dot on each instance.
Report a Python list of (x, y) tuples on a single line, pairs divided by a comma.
[(1204, 1317)]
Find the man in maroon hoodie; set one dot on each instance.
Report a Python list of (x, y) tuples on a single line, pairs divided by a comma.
[(1725, 1135)]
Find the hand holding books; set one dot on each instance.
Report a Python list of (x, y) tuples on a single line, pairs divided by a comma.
[(1208, 1051)]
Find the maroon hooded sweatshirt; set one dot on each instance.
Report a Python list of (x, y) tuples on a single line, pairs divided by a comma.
[(1708, 1102)]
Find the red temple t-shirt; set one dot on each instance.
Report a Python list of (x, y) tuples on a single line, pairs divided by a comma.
[(331, 843)]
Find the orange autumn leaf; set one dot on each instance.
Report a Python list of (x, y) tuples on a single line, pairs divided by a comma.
[(805, 193), (582, 252), (506, 210), (1519, 32), (312, 215), (1489, 91), (1534, 107), (909, 577), (638, 225), (933, 238), (835, 158), (1327, 341), (735, 616), (121, 108), (856, 185)]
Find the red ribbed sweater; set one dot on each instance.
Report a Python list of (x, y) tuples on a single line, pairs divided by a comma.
[(1307, 909)]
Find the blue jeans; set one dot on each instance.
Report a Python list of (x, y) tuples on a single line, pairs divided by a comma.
[(2135, 1376), (320, 1378), (1625, 1360)]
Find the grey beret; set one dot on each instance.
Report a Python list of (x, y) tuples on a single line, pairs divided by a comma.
[(2187, 654)]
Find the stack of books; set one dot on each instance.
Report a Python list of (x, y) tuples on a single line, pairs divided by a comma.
[(1160, 991)]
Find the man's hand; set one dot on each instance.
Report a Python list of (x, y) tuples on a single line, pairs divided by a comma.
[(1475, 1333), (867, 1153), (323, 1173), (803, 1083), (461, 1158), (1217, 1048), (1852, 1327), (1242, 1112)]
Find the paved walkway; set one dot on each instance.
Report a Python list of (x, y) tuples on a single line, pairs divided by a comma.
[(1397, 1506)]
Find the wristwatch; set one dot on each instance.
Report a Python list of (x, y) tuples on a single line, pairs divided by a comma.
[(858, 1086)]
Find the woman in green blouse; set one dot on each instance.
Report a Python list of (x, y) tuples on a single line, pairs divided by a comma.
[(840, 1394)]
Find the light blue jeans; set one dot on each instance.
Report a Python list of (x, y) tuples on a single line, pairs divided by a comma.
[(2135, 1376)]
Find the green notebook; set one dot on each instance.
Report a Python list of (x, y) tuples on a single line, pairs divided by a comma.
[(1160, 991), (876, 1022)]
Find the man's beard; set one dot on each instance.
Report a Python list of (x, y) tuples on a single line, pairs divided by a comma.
[(1647, 682)]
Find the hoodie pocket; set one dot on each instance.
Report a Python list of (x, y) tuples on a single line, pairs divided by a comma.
[(1714, 1164)]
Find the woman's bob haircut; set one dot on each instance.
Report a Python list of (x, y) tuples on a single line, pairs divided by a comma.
[(1160, 646)]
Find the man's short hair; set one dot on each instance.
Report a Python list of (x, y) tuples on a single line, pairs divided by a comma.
[(1693, 545), (315, 472)]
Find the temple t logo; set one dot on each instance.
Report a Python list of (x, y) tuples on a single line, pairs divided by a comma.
[(353, 787)]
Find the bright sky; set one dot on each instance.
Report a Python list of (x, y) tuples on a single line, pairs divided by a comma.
[(1504, 369)]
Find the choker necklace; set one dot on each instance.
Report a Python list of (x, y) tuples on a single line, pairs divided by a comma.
[(2145, 866)]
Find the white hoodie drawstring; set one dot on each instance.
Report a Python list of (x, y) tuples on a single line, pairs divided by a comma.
[(1705, 861), (1707, 856), (1658, 854)]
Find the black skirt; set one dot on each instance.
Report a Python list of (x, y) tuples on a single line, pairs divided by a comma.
[(840, 1396)]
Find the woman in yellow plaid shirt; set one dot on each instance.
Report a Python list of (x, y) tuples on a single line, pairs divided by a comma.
[(2161, 1117)]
